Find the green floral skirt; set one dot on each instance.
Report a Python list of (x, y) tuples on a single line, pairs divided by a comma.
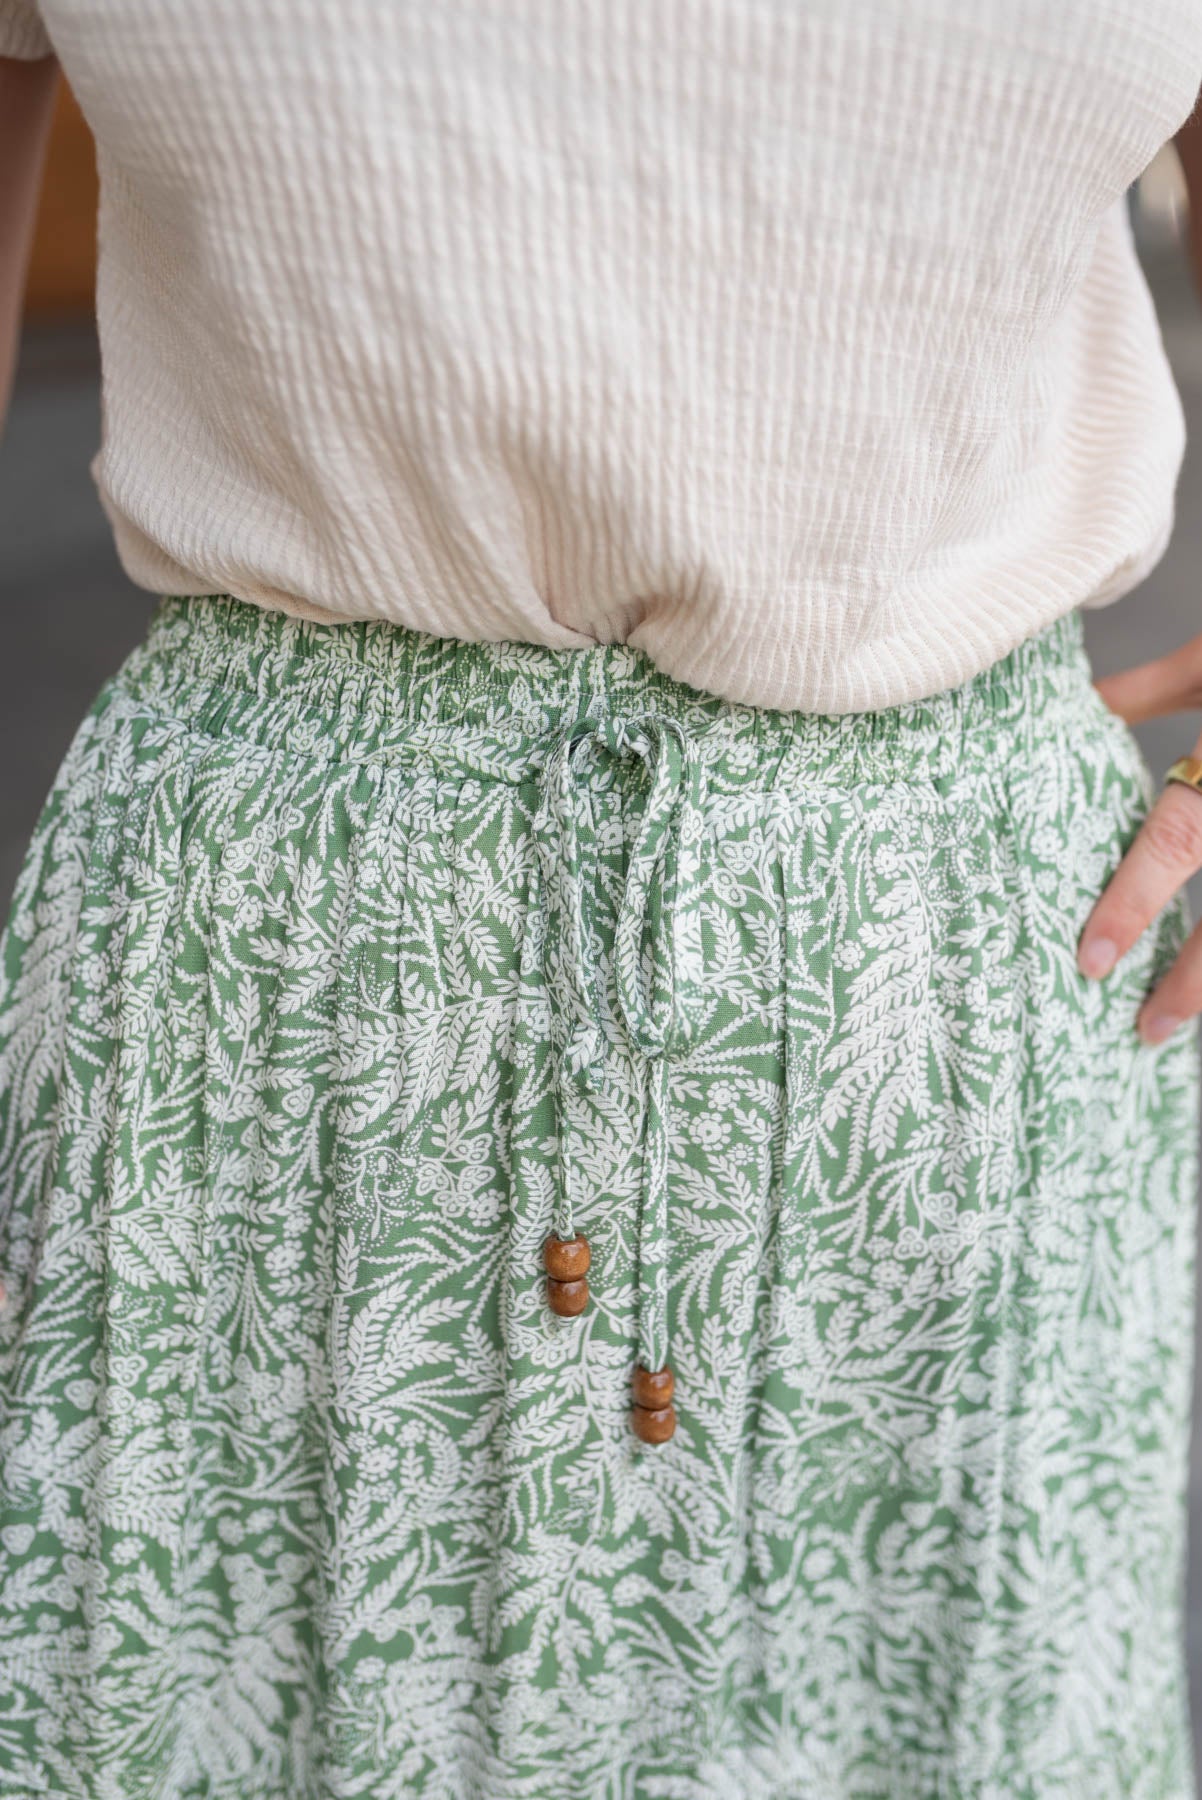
[(350, 972)]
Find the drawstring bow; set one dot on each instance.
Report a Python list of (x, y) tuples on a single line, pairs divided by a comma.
[(656, 956)]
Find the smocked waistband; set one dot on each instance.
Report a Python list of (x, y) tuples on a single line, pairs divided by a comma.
[(369, 689)]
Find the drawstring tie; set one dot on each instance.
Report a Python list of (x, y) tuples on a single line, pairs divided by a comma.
[(659, 903)]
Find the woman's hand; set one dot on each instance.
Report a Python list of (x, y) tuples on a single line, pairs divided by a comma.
[(1166, 852)]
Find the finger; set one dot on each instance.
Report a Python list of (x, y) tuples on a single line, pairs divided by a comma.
[(1177, 997), (1167, 850), (1167, 684)]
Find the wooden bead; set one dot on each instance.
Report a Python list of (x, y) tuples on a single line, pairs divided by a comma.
[(652, 1387), (566, 1259), (654, 1424), (567, 1298), (653, 1416)]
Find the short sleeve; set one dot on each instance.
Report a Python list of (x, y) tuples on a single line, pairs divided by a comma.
[(22, 32)]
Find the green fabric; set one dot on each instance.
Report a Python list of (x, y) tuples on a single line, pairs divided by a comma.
[(345, 964)]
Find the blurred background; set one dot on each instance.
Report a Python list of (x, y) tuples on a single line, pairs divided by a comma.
[(71, 615)]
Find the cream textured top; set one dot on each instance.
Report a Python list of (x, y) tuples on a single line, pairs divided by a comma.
[(800, 342)]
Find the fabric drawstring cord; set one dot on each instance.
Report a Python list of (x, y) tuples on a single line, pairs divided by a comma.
[(656, 991)]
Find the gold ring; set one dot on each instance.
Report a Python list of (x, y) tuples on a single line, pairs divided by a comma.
[(1187, 769)]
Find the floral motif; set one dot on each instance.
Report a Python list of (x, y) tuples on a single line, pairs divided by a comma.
[(316, 988)]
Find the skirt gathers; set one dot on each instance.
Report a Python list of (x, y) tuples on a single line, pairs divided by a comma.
[(565, 1237)]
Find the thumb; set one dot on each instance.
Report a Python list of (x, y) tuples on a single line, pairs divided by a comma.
[(1149, 690)]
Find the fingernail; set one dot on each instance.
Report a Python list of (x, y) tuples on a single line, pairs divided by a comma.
[(1160, 1026), (1098, 956)]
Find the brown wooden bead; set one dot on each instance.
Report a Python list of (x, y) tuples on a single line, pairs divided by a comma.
[(566, 1259), (567, 1298), (654, 1424), (652, 1387)]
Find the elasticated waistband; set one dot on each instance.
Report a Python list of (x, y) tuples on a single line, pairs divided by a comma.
[(367, 689)]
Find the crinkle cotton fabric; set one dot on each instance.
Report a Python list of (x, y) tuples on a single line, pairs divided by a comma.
[(344, 965)]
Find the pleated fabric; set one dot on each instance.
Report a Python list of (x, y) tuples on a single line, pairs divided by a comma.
[(345, 965)]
